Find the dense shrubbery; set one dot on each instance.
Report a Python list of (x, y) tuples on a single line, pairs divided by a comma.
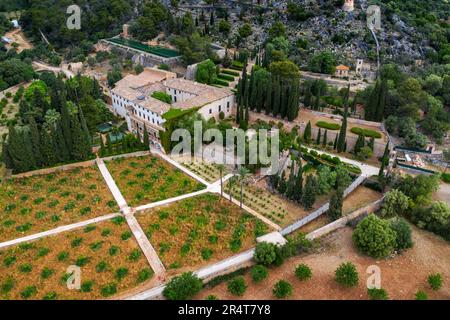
[(182, 287), (402, 231), (374, 237), (164, 97)]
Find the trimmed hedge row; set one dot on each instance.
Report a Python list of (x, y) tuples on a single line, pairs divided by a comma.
[(328, 125), (366, 132), (230, 72), (315, 159), (225, 77), (221, 82)]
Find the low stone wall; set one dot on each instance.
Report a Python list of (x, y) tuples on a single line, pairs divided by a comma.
[(74, 165), (65, 167), (342, 222)]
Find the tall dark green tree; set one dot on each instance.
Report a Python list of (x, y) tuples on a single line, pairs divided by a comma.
[(319, 134), (325, 138), (307, 132), (336, 203), (343, 131), (310, 192)]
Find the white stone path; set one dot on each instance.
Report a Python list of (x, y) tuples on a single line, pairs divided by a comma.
[(142, 240), (58, 230)]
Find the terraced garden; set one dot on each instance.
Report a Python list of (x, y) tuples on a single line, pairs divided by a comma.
[(199, 231), (43, 202), (107, 254), (148, 179)]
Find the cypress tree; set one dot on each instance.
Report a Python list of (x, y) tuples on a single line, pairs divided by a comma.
[(336, 203), (359, 143), (109, 147), (35, 141), (282, 183), (319, 133), (335, 141), (268, 103), (298, 190), (79, 151), (291, 182), (307, 132), (384, 160), (146, 139), (370, 110), (65, 126), (324, 143), (63, 151), (276, 98), (309, 196), (47, 148), (381, 102), (211, 18), (343, 131)]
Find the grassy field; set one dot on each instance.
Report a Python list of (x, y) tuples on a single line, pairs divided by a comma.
[(107, 254), (43, 202), (200, 230), (148, 179)]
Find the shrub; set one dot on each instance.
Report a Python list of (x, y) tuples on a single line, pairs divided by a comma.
[(221, 82), (183, 287), (346, 275), (126, 235), (421, 295), (377, 294), (395, 203), (265, 253), (328, 125), (52, 295), (282, 289), (259, 273), (109, 290), (303, 272), (403, 237), (7, 285), (121, 273), (144, 275), (374, 237), (237, 286), (63, 255), (26, 268), (28, 292), (135, 255), (86, 286), (82, 261), (366, 132), (211, 297), (445, 177), (435, 281), (46, 273)]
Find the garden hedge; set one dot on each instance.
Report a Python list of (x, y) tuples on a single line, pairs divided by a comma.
[(328, 125), (221, 82), (230, 72), (366, 132), (225, 77)]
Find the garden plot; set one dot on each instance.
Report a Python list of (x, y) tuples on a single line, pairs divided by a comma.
[(107, 254), (147, 179), (43, 202), (271, 205), (208, 171), (200, 230)]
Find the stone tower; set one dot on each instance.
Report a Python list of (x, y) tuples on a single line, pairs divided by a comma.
[(348, 6)]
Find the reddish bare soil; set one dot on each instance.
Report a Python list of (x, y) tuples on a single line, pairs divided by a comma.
[(401, 276)]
